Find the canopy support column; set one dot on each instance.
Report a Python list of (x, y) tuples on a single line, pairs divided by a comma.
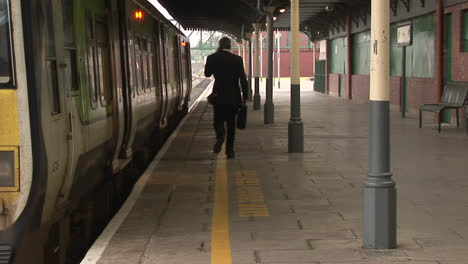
[(295, 125), (256, 98), (269, 108), (249, 36), (379, 219)]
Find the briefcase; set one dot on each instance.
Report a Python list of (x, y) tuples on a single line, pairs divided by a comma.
[(212, 98), (242, 117)]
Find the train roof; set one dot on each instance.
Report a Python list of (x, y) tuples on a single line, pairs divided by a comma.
[(155, 12)]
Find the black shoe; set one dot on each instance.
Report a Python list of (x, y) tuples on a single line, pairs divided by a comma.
[(231, 155), (217, 146)]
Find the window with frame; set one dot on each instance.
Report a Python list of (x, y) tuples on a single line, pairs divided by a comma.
[(51, 60), (92, 74), (131, 59), (70, 46), (6, 74), (103, 60), (144, 63), (138, 65), (150, 66)]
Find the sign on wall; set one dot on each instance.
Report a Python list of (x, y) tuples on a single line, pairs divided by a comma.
[(404, 34)]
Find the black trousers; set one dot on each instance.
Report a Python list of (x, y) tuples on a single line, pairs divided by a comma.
[(225, 114)]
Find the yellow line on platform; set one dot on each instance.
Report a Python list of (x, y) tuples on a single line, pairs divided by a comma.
[(220, 241)]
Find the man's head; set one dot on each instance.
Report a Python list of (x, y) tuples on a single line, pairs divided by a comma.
[(224, 43)]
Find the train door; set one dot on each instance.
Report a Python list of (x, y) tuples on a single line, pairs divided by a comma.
[(59, 80), (178, 73), (118, 116), (162, 63), (157, 72), (185, 73), (70, 87), (56, 103), (129, 75)]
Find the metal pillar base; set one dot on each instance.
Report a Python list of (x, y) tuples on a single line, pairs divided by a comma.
[(379, 219), (256, 99), (269, 112), (295, 136)]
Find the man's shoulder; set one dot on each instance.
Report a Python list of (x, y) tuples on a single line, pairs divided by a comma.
[(211, 56), (235, 57)]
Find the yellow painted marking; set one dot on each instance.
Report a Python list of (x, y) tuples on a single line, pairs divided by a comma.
[(220, 242), (250, 195), (9, 140), (9, 135)]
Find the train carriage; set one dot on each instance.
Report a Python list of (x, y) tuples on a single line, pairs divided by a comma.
[(89, 90)]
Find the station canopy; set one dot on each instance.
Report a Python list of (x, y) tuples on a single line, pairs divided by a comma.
[(235, 17)]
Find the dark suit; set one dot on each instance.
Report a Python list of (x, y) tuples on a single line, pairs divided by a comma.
[(228, 70)]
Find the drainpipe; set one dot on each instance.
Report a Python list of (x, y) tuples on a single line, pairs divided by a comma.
[(349, 57), (327, 71), (439, 51)]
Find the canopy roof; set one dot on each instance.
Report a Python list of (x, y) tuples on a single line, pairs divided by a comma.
[(235, 17)]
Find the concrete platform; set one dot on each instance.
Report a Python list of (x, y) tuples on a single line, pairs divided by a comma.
[(268, 206)]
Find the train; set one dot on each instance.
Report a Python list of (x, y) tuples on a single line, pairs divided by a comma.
[(89, 91)]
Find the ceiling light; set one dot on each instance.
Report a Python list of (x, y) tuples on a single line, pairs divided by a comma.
[(282, 10)]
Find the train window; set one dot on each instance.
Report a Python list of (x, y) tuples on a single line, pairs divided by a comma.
[(92, 81), (132, 69), (54, 98), (162, 59), (50, 30), (71, 69), (103, 60), (138, 65), (51, 60), (7, 169), (68, 23), (144, 57), (150, 66), (70, 48), (5, 56)]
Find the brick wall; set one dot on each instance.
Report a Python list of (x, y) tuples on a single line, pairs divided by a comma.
[(344, 86), (334, 87), (421, 91), (395, 84), (306, 58), (459, 58), (361, 84)]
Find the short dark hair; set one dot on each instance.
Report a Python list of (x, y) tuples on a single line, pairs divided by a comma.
[(224, 43)]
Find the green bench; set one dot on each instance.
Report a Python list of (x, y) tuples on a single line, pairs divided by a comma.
[(453, 97)]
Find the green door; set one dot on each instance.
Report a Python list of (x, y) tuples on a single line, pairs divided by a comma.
[(320, 78)]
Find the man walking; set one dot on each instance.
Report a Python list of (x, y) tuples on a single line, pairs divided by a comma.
[(228, 71)]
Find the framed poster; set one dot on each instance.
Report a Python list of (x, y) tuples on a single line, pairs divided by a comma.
[(404, 34)]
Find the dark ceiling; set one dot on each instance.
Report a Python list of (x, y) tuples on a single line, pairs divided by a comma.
[(236, 17)]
